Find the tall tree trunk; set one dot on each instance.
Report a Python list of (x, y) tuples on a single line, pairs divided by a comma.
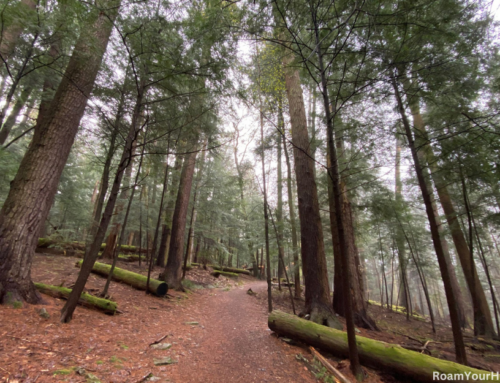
[(317, 290), (88, 262), (426, 157), (16, 81), (33, 189), (343, 228), (14, 114), (51, 80), (291, 208), (194, 211), (115, 129), (421, 275), (122, 199), (173, 270), (10, 34), (104, 292), (400, 240), (279, 208), (264, 191), (483, 323), (160, 214), (443, 266), (163, 250)]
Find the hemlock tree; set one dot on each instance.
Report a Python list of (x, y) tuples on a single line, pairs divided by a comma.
[(33, 189)]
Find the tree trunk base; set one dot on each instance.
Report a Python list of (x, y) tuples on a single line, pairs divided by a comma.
[(322, 315), (15, 294), (363, 320)]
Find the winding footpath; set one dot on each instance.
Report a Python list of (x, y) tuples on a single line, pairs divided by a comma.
[(236, 345)]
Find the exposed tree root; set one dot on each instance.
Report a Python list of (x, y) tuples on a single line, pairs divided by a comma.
[(363, 320)]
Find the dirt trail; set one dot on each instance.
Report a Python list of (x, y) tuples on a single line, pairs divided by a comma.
[(236, 344), (230, 343)]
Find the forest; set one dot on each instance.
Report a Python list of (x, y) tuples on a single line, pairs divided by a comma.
[(319, 174)]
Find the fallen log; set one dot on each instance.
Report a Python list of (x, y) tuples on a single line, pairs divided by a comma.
[(230, 269), (373, 353), (218, 273), (336, 373), (86, 300), (130, 257), (138, 281)]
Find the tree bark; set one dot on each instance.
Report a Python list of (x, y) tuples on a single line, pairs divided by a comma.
[(11, 120), (483, 322), (194, 211), (126, 157), (400, 240), (443, 266), (343, 228), (266, 212), (124, 224), (173, 270), (33, 189), (10, 33), (293, 225), (317, 291), (279, 207), (116, 225), (169, 213), (426, 156)]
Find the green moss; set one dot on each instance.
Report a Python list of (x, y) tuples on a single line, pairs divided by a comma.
[(139, 281), (372, 352), (85, 299), (99, 362), (398, 309), (44, 242), (9, 299), (225, 274), (124, 346), (62, 372)]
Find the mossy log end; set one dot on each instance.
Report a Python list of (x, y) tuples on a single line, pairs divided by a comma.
[(373, 353), (86, 300), (159, 288), (230, 269), (44, 242), (217, 273)]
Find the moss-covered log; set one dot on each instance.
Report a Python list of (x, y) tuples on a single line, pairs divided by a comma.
[(138, 281), (230, 269), (44, 242), (373, 353), (217, 273), (86, 300), (130, 257)]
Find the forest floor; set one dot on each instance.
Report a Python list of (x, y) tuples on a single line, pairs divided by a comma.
[(215, 332)]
